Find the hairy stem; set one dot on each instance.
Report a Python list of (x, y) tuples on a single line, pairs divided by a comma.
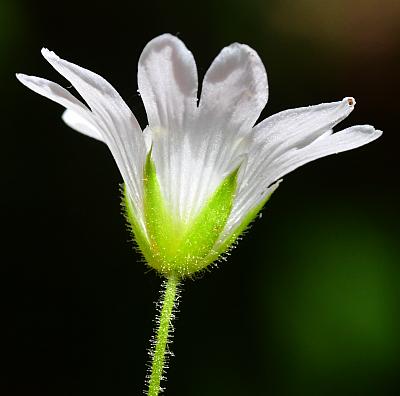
[(168, 301)]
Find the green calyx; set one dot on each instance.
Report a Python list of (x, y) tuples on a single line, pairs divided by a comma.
[(179, 247), (176, 248)]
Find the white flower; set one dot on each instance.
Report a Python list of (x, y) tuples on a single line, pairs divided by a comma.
[(197, 146)]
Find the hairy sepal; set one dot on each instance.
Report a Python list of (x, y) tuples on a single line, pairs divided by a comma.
[(138, 233), (229, 242), (184, 248)]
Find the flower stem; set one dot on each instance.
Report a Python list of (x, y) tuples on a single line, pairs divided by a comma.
[(168, 301)]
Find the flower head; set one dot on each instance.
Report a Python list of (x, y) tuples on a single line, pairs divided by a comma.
[(200, 171)]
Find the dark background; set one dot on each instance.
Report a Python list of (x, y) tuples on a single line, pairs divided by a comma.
[(309, 301)]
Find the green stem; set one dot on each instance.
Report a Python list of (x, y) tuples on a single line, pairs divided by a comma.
[(164, 329)]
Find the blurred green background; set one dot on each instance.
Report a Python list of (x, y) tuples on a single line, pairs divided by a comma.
[(309, 301)]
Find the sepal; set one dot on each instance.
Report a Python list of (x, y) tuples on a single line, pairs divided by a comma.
[(231, 239), (172, 246)]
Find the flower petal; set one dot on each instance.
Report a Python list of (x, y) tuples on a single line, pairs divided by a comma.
[(109, 108), (289, 139), (235, 90), (77, 115), (289, 129), (75, 121), (346, 139), (52, 91), (298, 127), (167, 80), (110, 115)]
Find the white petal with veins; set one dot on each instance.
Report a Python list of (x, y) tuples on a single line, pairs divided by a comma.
[(108, 115), (275, 136)]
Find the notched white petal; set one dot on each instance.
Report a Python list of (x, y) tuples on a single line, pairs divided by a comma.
[(344, 140), (109, 120), (287, 140), (287, 132)]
